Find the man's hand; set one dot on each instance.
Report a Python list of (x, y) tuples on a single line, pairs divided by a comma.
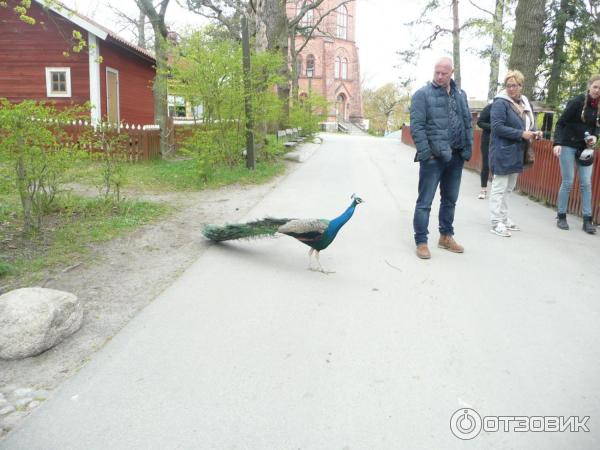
[(556, 150)]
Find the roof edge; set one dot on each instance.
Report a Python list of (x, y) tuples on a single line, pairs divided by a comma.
[(76, 19)]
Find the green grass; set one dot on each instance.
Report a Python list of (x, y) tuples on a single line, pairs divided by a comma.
[(175, 175), (75, 223), (67, 232)]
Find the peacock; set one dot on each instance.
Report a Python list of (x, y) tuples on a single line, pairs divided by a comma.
[(318, 234)]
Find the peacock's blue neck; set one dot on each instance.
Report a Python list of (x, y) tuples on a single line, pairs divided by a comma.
[(336, 224)]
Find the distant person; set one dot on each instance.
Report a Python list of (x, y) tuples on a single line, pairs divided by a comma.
[(513, 128), (581, 116), (440, 124), (484, 122)]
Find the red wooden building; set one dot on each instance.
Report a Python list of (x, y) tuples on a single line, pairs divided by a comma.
[(37, 62)]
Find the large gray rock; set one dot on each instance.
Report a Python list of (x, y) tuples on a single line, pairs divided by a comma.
[(32, 320)]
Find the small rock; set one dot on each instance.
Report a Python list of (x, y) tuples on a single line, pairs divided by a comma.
[(3, 403), (7, 410), (33, 404), (23, 402), (42, 394), (23, 392)]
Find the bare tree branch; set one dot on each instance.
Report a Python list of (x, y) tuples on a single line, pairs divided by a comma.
[(481, 9), (309, 30)]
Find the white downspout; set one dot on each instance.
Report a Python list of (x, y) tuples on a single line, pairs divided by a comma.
[(94, 65)]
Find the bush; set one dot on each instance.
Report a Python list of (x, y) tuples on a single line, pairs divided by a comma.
[(34, 141), (308, 113)]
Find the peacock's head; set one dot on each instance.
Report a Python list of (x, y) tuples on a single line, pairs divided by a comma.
[(356, 199)]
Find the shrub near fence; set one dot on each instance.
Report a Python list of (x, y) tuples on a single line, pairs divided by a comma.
[(542, 181), (139, 143)]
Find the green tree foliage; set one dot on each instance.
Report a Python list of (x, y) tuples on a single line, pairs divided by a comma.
[(21, 8), (208, 71), (33, 138), (572, 48), (386, 108), (308, 113)]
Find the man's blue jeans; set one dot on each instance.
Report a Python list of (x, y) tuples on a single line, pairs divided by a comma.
[(567, 169), (434, 172)]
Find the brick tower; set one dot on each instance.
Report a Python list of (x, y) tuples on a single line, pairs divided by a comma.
[(329, 64)]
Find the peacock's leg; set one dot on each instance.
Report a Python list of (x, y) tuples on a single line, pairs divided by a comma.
[(310, 252), (321, 269)]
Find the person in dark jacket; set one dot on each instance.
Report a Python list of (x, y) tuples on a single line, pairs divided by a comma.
[(581, 116), (513, 127), (484, 122), (440, 124)]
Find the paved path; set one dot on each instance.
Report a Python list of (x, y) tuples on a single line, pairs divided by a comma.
[(249, 350)]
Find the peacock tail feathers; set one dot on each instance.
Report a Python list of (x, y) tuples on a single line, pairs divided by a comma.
[(258, 228)]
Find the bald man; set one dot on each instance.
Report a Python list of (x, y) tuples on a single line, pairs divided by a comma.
[(440, 124)]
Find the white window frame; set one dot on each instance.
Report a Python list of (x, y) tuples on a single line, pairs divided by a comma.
[(49, 72), (336, 67)]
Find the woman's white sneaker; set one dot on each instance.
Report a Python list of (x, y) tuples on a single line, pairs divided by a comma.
[(511, 226), (501, 230)]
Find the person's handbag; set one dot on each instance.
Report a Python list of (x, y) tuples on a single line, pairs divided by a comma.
[(528, 154)]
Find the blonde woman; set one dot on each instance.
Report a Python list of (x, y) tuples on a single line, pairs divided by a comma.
[(581, 116), (513, 127)]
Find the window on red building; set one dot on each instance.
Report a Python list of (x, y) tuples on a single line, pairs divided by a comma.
[(310, 66), (58, 82), (345, 68), (337, 66), (308, 18), (342, 22)]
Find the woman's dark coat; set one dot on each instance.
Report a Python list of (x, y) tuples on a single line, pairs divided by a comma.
[(507, 147)]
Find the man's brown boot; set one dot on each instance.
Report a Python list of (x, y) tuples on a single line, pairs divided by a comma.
[(447, 242), (423, 251)]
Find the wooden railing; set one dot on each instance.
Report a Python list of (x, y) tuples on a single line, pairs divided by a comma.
[(136, 142), (542, 181)]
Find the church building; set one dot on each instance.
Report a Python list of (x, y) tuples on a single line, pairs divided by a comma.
[(329, 64)]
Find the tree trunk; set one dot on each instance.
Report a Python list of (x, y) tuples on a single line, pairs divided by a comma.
[(559, 57), (161, 110), (294, 64), (141, 26), (456, 42), (528, 41), (496, 49), (157, 19), (272, 30), (261, 42), (22, 186)]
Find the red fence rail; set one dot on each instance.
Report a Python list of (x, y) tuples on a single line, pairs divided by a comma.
[(137, 142), (542, 181)]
